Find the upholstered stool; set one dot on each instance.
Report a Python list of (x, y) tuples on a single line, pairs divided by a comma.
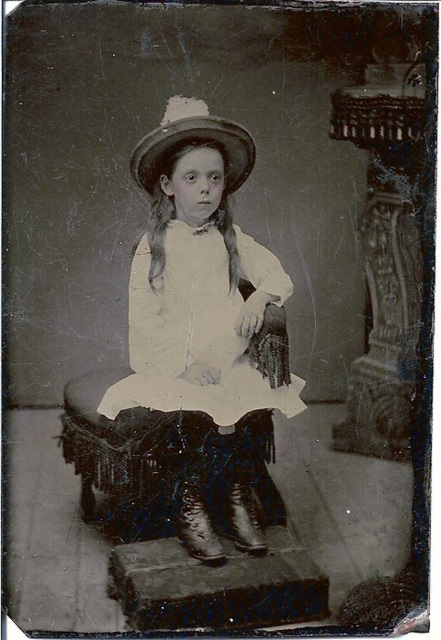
[(136, 455)]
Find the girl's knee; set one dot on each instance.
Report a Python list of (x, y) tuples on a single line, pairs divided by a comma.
[(224, 431)]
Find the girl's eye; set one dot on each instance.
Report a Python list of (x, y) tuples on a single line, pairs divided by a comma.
[(191, 178), (216, 177)]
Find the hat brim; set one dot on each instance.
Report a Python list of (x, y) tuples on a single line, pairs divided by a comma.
[(151, 153)]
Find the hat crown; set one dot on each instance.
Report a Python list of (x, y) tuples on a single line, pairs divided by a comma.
[(180, 107)]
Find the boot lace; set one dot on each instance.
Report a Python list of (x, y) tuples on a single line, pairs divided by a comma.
[(241, 496), (192, 512)]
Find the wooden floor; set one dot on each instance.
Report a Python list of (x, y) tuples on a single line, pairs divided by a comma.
[(353, 513)]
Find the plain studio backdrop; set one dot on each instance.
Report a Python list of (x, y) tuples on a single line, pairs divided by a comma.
[(85, 83)]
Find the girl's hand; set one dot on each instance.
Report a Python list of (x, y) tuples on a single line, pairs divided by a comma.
[(200, 373), (250, 319)]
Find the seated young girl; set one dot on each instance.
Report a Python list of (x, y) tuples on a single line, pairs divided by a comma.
[(189, 326)]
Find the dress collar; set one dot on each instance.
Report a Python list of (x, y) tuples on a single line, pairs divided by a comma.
[(195, 231)]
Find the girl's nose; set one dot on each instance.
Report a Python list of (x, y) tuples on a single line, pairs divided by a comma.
[(205, 186)]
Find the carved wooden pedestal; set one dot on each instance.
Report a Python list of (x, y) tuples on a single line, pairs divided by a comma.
[(382, 381), (389, 402)]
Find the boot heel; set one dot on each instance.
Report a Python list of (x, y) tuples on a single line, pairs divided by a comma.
[(257, 552)]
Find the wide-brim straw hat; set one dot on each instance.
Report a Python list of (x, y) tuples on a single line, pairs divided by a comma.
[(188, 119)]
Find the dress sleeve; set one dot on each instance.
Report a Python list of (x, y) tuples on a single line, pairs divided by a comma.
[(262, 268), (152, 342)]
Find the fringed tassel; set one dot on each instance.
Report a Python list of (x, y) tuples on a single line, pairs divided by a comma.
[(118, 471), (149, 476), (270, 354)]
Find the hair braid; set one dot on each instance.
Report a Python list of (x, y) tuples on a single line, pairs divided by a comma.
[(225, 226)]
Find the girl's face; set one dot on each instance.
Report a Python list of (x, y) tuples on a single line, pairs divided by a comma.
[(196, 184)]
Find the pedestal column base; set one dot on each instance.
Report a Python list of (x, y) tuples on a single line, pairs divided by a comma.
[(377, 418)]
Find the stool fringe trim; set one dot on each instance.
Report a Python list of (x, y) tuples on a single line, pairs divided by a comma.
[(127, 470)]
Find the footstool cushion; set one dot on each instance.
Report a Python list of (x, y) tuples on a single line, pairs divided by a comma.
[(160, 587)]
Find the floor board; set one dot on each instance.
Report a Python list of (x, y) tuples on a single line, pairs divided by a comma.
[(95, 608), (50, 586), (352, 513), (22, 463)]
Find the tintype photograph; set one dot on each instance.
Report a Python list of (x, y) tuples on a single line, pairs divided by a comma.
[(218, 245)]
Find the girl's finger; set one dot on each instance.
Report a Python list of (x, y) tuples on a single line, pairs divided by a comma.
[(254, 326), (238, 324), (246, 328), (254, 322), (259, 323), (240, 331), (215, 374), (208, 377)]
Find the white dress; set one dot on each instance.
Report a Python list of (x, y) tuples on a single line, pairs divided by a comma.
[(192, 318)]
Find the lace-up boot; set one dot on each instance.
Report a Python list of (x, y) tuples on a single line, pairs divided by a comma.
[(243, 525), (194, 528)]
